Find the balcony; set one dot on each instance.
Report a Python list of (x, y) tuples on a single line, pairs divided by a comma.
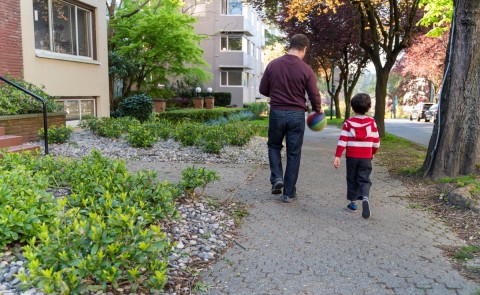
[(235, 23), (235, 59)]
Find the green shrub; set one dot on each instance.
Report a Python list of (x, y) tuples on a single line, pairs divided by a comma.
[(257, 109), (104, 233), (108, 127), (139, 106), (196, 177), (222, 98), (161, 93), (101, 236), (197, 115), (239, 134), (213, 139), (60, 134), (188, 134), (16, 102), (241, 116), (162, 128), (327, 112), (142, 135), (24, 204)]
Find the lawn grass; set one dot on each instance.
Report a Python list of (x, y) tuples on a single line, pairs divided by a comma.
[(400, 155)]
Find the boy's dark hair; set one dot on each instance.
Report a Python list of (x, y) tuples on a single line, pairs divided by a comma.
[(361, 103), (299, 42)]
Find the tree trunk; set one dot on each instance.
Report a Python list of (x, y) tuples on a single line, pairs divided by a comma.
[(380, 98), (347, 100), (336, 98), (454, 147)]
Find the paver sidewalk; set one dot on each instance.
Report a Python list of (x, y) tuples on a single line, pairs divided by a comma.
[(314, 246)]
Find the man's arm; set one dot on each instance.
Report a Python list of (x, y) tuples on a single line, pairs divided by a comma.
[(314, 93), (264, 87)]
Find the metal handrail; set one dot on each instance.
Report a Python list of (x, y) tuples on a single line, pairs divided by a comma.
[(44, 103)]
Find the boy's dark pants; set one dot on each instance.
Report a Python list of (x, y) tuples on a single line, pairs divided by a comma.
[(358, 178)]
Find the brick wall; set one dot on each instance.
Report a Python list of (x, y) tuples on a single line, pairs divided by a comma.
[(28, 125), (11, 58)]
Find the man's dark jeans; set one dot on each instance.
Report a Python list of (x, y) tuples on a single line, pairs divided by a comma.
[(358, 178), (289, 125)]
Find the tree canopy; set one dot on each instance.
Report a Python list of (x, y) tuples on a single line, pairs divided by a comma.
[(386, 28), (329, 48), (152, 41)]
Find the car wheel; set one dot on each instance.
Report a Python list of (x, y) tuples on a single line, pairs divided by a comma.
[(411, 119)]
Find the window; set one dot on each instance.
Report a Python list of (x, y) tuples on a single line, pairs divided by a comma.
[(63, 27), (232, 7), (231, 42), (76, 108), (231, 77), (246, 79)]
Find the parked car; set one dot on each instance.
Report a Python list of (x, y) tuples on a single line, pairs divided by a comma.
[(418, 111), (431, 113)]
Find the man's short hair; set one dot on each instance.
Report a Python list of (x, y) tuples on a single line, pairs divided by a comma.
[(299, 42), (361, 103)]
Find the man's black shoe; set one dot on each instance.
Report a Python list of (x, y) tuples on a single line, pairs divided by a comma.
[(277, 187)]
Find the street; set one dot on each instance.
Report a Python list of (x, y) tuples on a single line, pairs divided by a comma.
[(418, 132)]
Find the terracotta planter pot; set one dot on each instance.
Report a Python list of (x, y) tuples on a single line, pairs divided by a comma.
[(209, 102), (198, 102), (159, 105)]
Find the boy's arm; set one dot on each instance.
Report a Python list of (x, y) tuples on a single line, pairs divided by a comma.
[(376, 140), (342, 141), (336, 162)]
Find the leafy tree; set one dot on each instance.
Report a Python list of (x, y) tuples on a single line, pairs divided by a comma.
[(438, 14), (150, 43), (386, 28), (454, 147), (425, 58), (328, 48)]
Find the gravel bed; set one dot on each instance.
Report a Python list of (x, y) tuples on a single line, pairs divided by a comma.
[(82, 142), (201, 235)]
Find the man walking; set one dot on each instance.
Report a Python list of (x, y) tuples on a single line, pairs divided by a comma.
[(286, 81)]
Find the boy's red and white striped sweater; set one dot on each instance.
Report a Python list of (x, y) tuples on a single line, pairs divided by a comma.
[(359, 137)]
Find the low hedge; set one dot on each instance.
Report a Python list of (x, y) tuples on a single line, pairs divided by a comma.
[(222, 98), (197, 115)]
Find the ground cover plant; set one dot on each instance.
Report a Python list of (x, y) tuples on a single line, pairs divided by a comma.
[(56, 134), (211, 136), (104, 233)]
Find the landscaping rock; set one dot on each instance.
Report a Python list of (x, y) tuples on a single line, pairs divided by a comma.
[(464, 198)]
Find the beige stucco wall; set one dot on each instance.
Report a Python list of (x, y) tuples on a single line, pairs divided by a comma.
[(69, 77)]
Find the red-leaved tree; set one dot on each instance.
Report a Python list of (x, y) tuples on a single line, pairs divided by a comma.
[(425, 58), (334, 41)]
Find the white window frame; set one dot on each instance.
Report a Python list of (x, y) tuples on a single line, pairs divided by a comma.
[(227, 37), (79, 101), (228, 71), (51, 52), (227, 7)]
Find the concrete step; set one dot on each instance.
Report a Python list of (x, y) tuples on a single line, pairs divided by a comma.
[(10, 140), (2, 130), (22, 148)]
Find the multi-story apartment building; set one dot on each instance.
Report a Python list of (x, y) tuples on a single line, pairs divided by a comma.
[(234, 47), (61, 45)]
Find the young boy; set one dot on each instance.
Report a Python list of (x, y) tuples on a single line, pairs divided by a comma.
[(359, 137)]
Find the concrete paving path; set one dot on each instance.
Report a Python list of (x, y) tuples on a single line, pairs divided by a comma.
[(314, 246)]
